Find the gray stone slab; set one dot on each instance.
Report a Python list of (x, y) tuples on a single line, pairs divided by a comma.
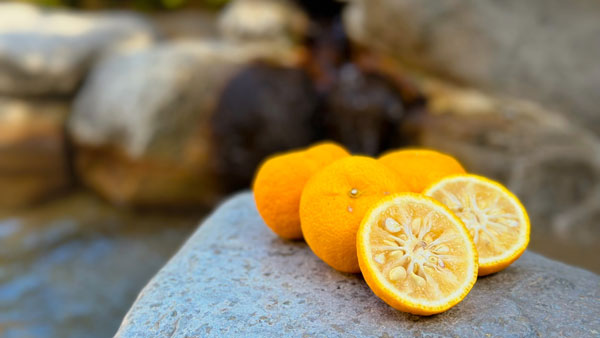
[(235, 278)]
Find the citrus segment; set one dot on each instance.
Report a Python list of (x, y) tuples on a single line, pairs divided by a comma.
[(279, 182), (421, 167), (334, 202), (494, 216), (415, 254)]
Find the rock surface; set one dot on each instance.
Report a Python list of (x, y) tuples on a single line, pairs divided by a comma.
[(186, 24), (263, 22), (539, 50), (235, 278), (141, 123), (50, 51), (33, 152), (71, 268)]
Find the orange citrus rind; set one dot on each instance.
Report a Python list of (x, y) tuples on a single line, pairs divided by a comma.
[(333, 204), (279, 182), (420, 167), (415, 254)]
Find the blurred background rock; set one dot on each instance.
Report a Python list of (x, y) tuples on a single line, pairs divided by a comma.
[(123, 122)]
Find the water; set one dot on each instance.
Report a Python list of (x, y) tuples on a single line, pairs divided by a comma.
[(72, 267)]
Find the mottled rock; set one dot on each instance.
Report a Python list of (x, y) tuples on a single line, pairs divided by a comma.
[(263, 22), (271, 30), (33, 152), (234, 277), (50, 51), (546, 51), (264, 109), (141, 123), (71, 268), (551, 163), (186, 24)]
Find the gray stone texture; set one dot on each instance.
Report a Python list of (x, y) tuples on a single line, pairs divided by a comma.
[(146, 126), (234, 278), (150, 102), (142, 121), (547, 51), (48, 52), (263, 22)]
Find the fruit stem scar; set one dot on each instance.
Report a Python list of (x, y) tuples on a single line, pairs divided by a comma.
[(353, 192)]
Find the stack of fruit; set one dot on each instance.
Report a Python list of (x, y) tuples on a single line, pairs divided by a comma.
[(418, 227)]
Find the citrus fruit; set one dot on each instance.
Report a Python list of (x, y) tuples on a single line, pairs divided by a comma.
[(420, 167), (415, 254), (334, 202), (279, 182), (494, 216), (324, 153)]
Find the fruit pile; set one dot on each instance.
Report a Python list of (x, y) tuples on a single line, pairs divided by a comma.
[(418, 227)]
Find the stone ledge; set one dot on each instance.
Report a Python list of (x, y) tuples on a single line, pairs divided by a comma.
[(234, 277)]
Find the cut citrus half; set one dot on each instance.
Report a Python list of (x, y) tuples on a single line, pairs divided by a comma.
[(415, 254), (494, 216)]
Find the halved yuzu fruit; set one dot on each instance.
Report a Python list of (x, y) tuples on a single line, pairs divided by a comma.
[(497, 220), (415, 254)]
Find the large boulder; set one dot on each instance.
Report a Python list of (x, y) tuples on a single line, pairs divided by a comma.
[(148, 131), (141, 123), (234, 277), (73, 266), (50, 51), (263, 22), (33, 151), (164, 126), (539, 50)]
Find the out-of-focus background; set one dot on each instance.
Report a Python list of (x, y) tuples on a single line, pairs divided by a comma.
[(122, 123)]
